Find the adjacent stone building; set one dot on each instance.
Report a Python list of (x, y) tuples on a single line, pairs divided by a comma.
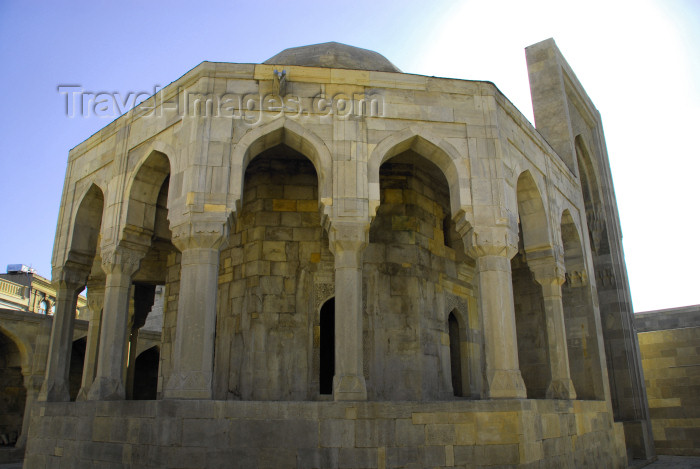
[(669, 340), (362, 268)]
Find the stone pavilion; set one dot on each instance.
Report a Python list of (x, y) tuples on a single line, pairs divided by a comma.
[(362, 268)]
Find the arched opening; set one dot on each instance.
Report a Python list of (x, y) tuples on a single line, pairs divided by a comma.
[(146, 375), (582, 343), (147, 225), (12, 392), (595, 217), (265, 346), (530, 318), (77, 362), (414, 260), (86, 229), (327, 347), (455, 355), (84, 252)]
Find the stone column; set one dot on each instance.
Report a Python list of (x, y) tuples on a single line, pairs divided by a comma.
[(550, 274), (35, 380), (493, 248), (347, 242), (193, 350), (119, 263), (69, 284), (32, 384), (95, 300)]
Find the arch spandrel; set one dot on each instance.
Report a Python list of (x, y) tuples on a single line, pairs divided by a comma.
[(436, 150), (295, 136)]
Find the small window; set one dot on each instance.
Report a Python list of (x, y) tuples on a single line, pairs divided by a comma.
[(43, 307)]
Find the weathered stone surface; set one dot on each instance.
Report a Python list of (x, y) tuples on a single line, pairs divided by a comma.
[(418, 254), (669, 341)]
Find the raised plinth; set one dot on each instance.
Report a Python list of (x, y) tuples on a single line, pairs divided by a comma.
[(255, 434)]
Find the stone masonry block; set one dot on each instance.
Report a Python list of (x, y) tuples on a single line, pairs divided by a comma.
[(498, 427), (337, 433), (316, 458), (299, 192), (440, 434), (205, 433), (353, 458), (500, 455), (274, 251), (409, 434), (433, 456), (307, 205), (374, 433)]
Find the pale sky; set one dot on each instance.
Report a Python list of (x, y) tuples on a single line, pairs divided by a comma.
[(639, 62)]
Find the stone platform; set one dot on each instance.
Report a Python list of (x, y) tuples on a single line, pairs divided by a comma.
[(257, 434)]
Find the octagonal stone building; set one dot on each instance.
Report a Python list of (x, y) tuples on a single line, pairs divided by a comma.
[(362, 268)]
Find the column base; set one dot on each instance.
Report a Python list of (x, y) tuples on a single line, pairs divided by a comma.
[(506, 384), (349, 388), (188, 385), (640, 443), (54, 393), (561, 389), (82, 394), (106, 389)]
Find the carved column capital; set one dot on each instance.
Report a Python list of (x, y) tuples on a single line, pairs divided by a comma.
[(498, 241), (347, 240), (69, 276), (203, 234), (548, 271), (120, 258)]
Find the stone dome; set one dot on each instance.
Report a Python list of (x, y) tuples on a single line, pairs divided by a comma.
[(333, 55)]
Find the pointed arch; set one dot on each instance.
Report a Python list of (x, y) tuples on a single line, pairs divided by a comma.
[(579, 315), (143, 191), (295, 136), (436, 150), (532, 214), (592, 197), (21, 347), (85, 231)]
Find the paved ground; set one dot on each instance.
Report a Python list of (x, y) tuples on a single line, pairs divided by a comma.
[(664, 462), (675, 462)]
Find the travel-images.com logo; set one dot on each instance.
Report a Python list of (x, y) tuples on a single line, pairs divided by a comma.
[(248, 108)]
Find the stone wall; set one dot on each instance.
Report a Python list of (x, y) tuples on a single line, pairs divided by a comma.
[(415, 275), (266, 315), (249, 435), (669, 341)]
